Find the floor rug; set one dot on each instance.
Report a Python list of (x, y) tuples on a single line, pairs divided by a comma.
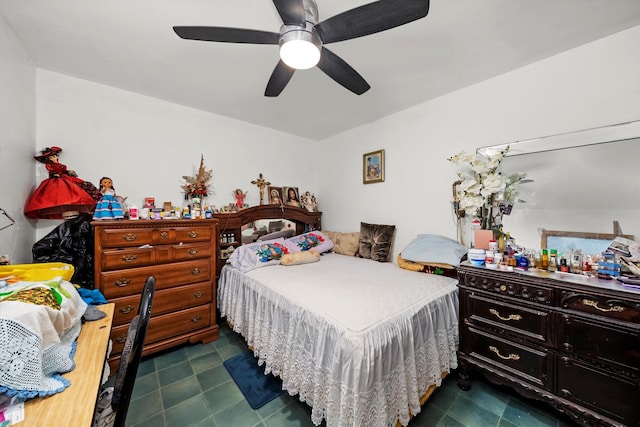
[(256, 387)]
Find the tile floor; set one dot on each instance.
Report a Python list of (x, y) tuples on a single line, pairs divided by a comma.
[(190, 387)]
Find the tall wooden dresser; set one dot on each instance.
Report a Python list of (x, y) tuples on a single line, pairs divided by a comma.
[(181, 254), (568, 340)]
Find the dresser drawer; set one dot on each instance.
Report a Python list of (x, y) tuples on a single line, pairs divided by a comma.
[(115, 259), (115, 284), (126, 237), (193, 234), (612, 344), (190, 251), (531, 365), (164, 301), (615, 396), (511, 287), (502, 317), (603, 306), (166, 326)]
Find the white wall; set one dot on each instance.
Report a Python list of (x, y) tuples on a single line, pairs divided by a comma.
[(146, 145), (593, 85), (17, 143)]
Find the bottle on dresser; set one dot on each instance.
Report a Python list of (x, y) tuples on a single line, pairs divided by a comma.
[(553, 260)]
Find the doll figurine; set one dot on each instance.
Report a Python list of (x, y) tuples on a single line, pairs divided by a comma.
[(110, 205), (239, 195), (306, 201), (62, 195)]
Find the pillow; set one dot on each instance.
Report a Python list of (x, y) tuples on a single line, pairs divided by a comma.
[(344, 243), (431, 248), (285, 234), (275, 226), (425, 267), (312, 240), (300, 258), (375, 241), (259, 254)]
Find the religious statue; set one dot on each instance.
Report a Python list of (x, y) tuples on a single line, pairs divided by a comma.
[(261, 183)]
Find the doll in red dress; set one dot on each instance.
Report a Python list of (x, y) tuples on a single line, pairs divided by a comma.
[(63, 194)]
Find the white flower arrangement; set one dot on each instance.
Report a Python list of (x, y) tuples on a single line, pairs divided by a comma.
[(482, 188)]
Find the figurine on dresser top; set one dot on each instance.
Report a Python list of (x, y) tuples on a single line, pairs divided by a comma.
[(62, 195), (110, 206)]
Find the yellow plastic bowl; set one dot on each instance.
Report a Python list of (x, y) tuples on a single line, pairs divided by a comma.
[(38, 272)]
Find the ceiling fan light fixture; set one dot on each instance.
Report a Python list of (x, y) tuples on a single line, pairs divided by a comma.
[(300, 48)]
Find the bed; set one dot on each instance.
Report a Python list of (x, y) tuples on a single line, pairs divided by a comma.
[(360, 341)]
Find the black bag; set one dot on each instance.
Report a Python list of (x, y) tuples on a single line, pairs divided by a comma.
[(72, 243)]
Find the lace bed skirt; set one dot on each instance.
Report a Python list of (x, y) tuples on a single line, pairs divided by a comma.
[(356, 369)]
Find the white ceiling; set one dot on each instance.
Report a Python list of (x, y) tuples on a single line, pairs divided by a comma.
[(130, 44)]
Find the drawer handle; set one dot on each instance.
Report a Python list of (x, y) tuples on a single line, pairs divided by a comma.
[(196, 319), (511, 356), (127, 309), (511, 316), (129, 258), (164, 235), (199, 294), (193, 251), (129, 237), (193, 234), (594, 304), (195, 271), (120, 339), (123, 282), (503, 288)]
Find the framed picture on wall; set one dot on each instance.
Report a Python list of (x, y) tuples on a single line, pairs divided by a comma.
[(275, 195), (291, 196), (373, 167)]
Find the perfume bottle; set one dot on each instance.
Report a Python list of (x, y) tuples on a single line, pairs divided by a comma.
[(553, 260)]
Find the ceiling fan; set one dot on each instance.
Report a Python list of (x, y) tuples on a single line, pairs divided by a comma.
[(302, 37)]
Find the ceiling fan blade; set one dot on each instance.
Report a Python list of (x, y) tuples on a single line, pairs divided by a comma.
[(279, 79), (291, 11), (371, 18), (229, 35), (334, 67)]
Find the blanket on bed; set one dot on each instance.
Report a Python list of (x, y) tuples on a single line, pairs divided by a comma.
[(360, 341)]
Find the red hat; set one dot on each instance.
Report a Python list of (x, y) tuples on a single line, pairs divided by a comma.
[(43, 157)]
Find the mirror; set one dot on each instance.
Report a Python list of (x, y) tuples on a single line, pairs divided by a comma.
[(593, 136), (589, 243), (260, 228), (583, 181)]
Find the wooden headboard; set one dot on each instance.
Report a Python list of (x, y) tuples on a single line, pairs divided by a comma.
[(230, 224)]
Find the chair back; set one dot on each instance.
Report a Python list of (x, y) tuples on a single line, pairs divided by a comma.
[(131, 354)]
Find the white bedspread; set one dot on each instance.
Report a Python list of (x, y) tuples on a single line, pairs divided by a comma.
[(359, 341)]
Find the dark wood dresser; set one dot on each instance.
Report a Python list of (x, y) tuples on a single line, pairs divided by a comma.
[(568, 340), (181, 254)]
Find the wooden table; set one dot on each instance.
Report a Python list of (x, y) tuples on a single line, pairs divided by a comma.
[(75, 405)]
